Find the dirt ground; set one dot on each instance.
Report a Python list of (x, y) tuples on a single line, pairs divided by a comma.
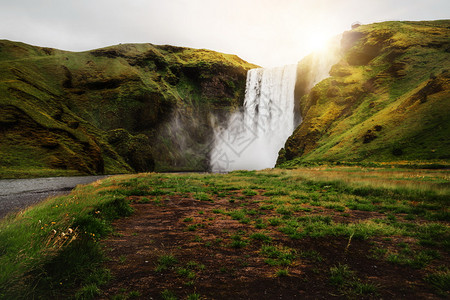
[(226, 272)]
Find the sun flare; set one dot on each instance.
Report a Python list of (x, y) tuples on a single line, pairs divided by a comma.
[(317, 43), (318, 39)]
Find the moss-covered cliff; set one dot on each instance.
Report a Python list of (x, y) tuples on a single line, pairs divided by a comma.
[(125, 108), (388, 99)]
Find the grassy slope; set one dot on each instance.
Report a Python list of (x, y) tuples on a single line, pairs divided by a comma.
[(386, 100), (399, 216), (60, 110)]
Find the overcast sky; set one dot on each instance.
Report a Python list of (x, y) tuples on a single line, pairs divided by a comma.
[(264, 32)]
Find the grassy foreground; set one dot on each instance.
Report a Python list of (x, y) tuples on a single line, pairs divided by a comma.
[(312, 227)]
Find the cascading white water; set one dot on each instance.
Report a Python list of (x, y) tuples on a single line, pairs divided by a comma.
[(252, 138)]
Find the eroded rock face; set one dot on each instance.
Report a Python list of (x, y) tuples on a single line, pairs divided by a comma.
[(49, 146), (350, 38), (368, 46), (385, 100), (135, 150), (111, 106)]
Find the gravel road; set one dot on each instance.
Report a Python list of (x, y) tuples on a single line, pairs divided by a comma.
[(17, 194)]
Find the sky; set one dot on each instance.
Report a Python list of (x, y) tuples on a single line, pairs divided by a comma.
[(265, 32)]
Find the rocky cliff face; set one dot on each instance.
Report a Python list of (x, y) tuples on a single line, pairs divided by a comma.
[(119, 109), (387, 100)]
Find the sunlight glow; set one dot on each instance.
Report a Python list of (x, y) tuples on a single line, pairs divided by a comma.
[(317, 43), (318, 39)]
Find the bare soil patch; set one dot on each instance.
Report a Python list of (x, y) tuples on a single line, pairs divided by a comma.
[(201, 240)]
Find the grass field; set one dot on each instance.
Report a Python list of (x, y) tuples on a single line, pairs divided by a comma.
[(345, 232)]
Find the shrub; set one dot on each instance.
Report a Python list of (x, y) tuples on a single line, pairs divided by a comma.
[(339, 274), (165, 262), (440, 281)]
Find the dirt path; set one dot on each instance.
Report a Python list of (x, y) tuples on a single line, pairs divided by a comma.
[(210, 263)]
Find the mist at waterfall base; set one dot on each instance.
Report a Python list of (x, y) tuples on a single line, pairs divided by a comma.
[(253, 136)]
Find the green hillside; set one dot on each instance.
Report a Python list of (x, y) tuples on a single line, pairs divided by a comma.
[(387, 100), (125, 108)]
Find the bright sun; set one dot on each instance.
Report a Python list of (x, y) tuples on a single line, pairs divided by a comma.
[(317, 43), (318, 39)]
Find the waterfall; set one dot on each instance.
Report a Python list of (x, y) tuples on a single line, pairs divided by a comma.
[(252, 137)]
